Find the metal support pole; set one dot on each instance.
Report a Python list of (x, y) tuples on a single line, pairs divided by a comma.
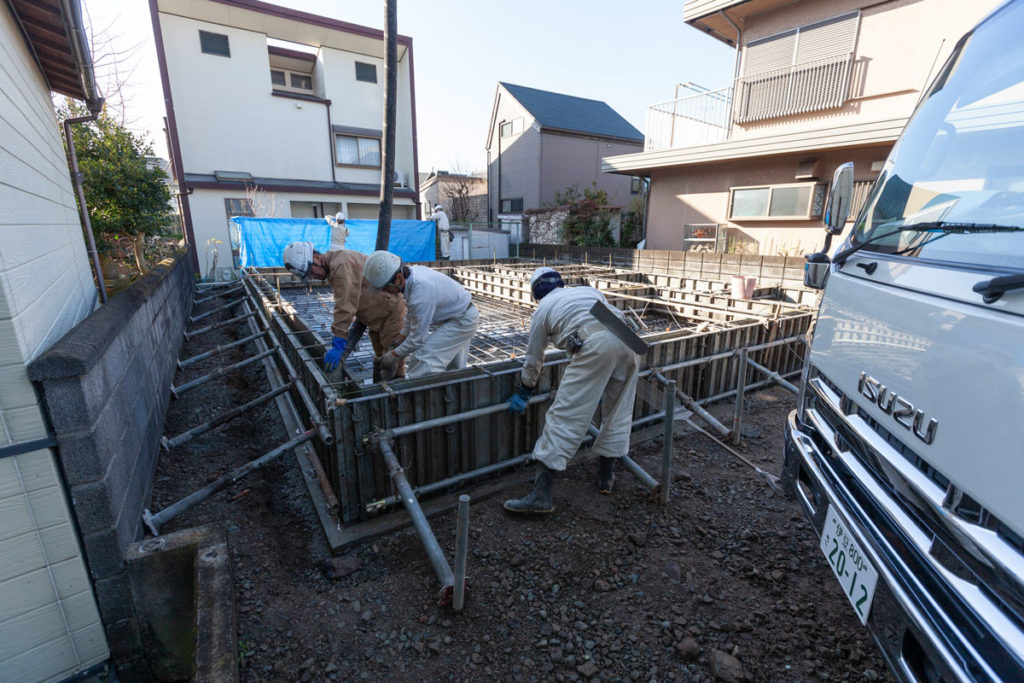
[(646, 480), (457, 417), (223, 323), (419, 520), (154, 522), (220, 349), (741, 388), (204, 299), (219, 372), (185, 437), (666, 456), (775, 376), (196, 318), (705, 415), (461, 549)]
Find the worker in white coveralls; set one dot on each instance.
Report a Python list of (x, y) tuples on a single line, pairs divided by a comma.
[(339, 231), (443, 225), (602, 368), (432, 300)]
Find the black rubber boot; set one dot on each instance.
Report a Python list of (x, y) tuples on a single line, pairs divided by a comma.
[(537, 501), (605, 474)]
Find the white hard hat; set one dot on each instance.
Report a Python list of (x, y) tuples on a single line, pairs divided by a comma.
[(540, 271), (380, 267), (438, 207), (298, 259), (339, 217)]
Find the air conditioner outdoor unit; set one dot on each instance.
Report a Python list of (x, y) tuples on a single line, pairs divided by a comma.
[(399, 179)]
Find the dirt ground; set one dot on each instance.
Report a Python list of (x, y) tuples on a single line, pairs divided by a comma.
[(726, 583)]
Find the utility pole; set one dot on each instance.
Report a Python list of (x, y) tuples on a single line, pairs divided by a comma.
[(387, 170)]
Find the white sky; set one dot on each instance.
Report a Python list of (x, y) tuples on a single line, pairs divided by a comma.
[(629, 55)]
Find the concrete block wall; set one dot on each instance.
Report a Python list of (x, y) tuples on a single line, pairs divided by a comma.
[(106, 387)]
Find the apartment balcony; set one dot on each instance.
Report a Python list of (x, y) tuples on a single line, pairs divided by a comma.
[(709, 117)]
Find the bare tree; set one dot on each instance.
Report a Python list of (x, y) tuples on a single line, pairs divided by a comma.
[(458, 189), (263, 204)]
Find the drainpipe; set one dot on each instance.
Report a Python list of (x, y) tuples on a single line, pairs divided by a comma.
[(735, 68), (330, 141), (72, 11), (83, 210)]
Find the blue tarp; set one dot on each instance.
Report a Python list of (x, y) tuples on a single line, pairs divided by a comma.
[(262, 240)]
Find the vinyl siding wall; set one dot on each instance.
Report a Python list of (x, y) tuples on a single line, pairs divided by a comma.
[(519, 173), (49, 624), (570, 160)]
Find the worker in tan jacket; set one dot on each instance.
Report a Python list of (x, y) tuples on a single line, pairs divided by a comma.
[(357, 305)]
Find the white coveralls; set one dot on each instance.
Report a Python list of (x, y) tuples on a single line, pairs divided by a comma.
[(604, 370), (436, 299), (442, 226), (339, 234)]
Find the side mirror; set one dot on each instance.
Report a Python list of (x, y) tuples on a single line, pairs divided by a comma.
[(816, 270), (837, 206)]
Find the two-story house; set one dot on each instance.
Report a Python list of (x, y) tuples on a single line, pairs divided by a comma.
[(817, 82), (540, 143), (463, 195), (273, 111)]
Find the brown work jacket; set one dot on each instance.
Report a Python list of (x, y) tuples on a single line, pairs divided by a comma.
[(381, 312)]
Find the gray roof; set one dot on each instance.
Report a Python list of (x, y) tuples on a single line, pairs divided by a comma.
[(576, 114)]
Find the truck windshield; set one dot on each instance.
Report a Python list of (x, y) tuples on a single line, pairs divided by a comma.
[(960, 161)]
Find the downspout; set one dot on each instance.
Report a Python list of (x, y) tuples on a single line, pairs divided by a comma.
[(83, 210), (497, 212), (330, 141), (735, 68)]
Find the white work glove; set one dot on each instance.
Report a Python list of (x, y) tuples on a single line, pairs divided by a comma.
[(389, 364)]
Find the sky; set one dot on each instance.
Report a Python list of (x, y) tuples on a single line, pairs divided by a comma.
[(630, 55)]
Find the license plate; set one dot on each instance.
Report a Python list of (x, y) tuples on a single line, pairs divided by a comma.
[(849, 563)]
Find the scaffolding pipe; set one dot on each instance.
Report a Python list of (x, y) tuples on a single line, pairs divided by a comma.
[(461, 549), (154, 522), (196, 318), (219, 372), (419, 520), (223, 323), (185, 437), (695, 407), (325, 482), (646, 480), (204, 299), (718, 356), (220, 349), (775, 376), (741, 387), (457, 417), (666, 455)]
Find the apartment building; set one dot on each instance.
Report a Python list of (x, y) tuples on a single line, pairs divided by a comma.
[(276, 112), (745, 167)]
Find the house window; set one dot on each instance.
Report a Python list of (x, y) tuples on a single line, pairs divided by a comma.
[(214, 44), (800, 201), (366, 72), (301, 82), (634, 185), (506, 129), (356, 151), (277, 77), (512, 205)]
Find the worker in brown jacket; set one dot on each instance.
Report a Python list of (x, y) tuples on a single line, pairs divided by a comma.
[(357, 305)]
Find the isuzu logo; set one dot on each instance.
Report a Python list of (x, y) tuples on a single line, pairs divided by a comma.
[(902, 410)]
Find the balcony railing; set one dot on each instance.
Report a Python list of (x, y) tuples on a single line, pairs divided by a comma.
[(708, 117)]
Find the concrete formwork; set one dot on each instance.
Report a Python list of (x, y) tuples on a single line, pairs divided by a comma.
[(694, 326)]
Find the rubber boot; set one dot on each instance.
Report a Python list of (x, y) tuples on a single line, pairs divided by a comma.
[(537, 501), (605, 474)]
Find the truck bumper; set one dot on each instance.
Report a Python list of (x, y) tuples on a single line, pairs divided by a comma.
[(918, 639)]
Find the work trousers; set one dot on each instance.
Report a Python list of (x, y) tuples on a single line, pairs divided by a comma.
[(447, 347), (604, 371), (446, 242)]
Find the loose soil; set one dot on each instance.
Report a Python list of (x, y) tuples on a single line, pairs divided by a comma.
[(725, 583)]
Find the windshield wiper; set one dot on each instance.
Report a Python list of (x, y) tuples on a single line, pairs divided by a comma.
[(991, 290), (942, 227)]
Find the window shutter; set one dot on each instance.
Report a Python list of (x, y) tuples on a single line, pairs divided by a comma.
[(214, 44), (835, 36), (769, 54)]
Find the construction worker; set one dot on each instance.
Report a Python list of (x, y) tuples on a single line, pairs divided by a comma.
[(433, 300), (357, 306), (339, 231), (442, 226), (602, 368)]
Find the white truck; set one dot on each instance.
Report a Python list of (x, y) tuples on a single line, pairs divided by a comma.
[(906, 450)]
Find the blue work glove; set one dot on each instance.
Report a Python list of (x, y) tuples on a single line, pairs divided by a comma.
[(332, 357), (517, 404)]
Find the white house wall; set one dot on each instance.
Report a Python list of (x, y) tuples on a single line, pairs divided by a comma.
[(49, 624)]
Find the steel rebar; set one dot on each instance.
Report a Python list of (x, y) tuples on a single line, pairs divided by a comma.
[(419, 520), (215, 326), (220, 349), (155, 521), (212, 311), (204, 299), (461, 549), (185, 437), (219, 372)]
